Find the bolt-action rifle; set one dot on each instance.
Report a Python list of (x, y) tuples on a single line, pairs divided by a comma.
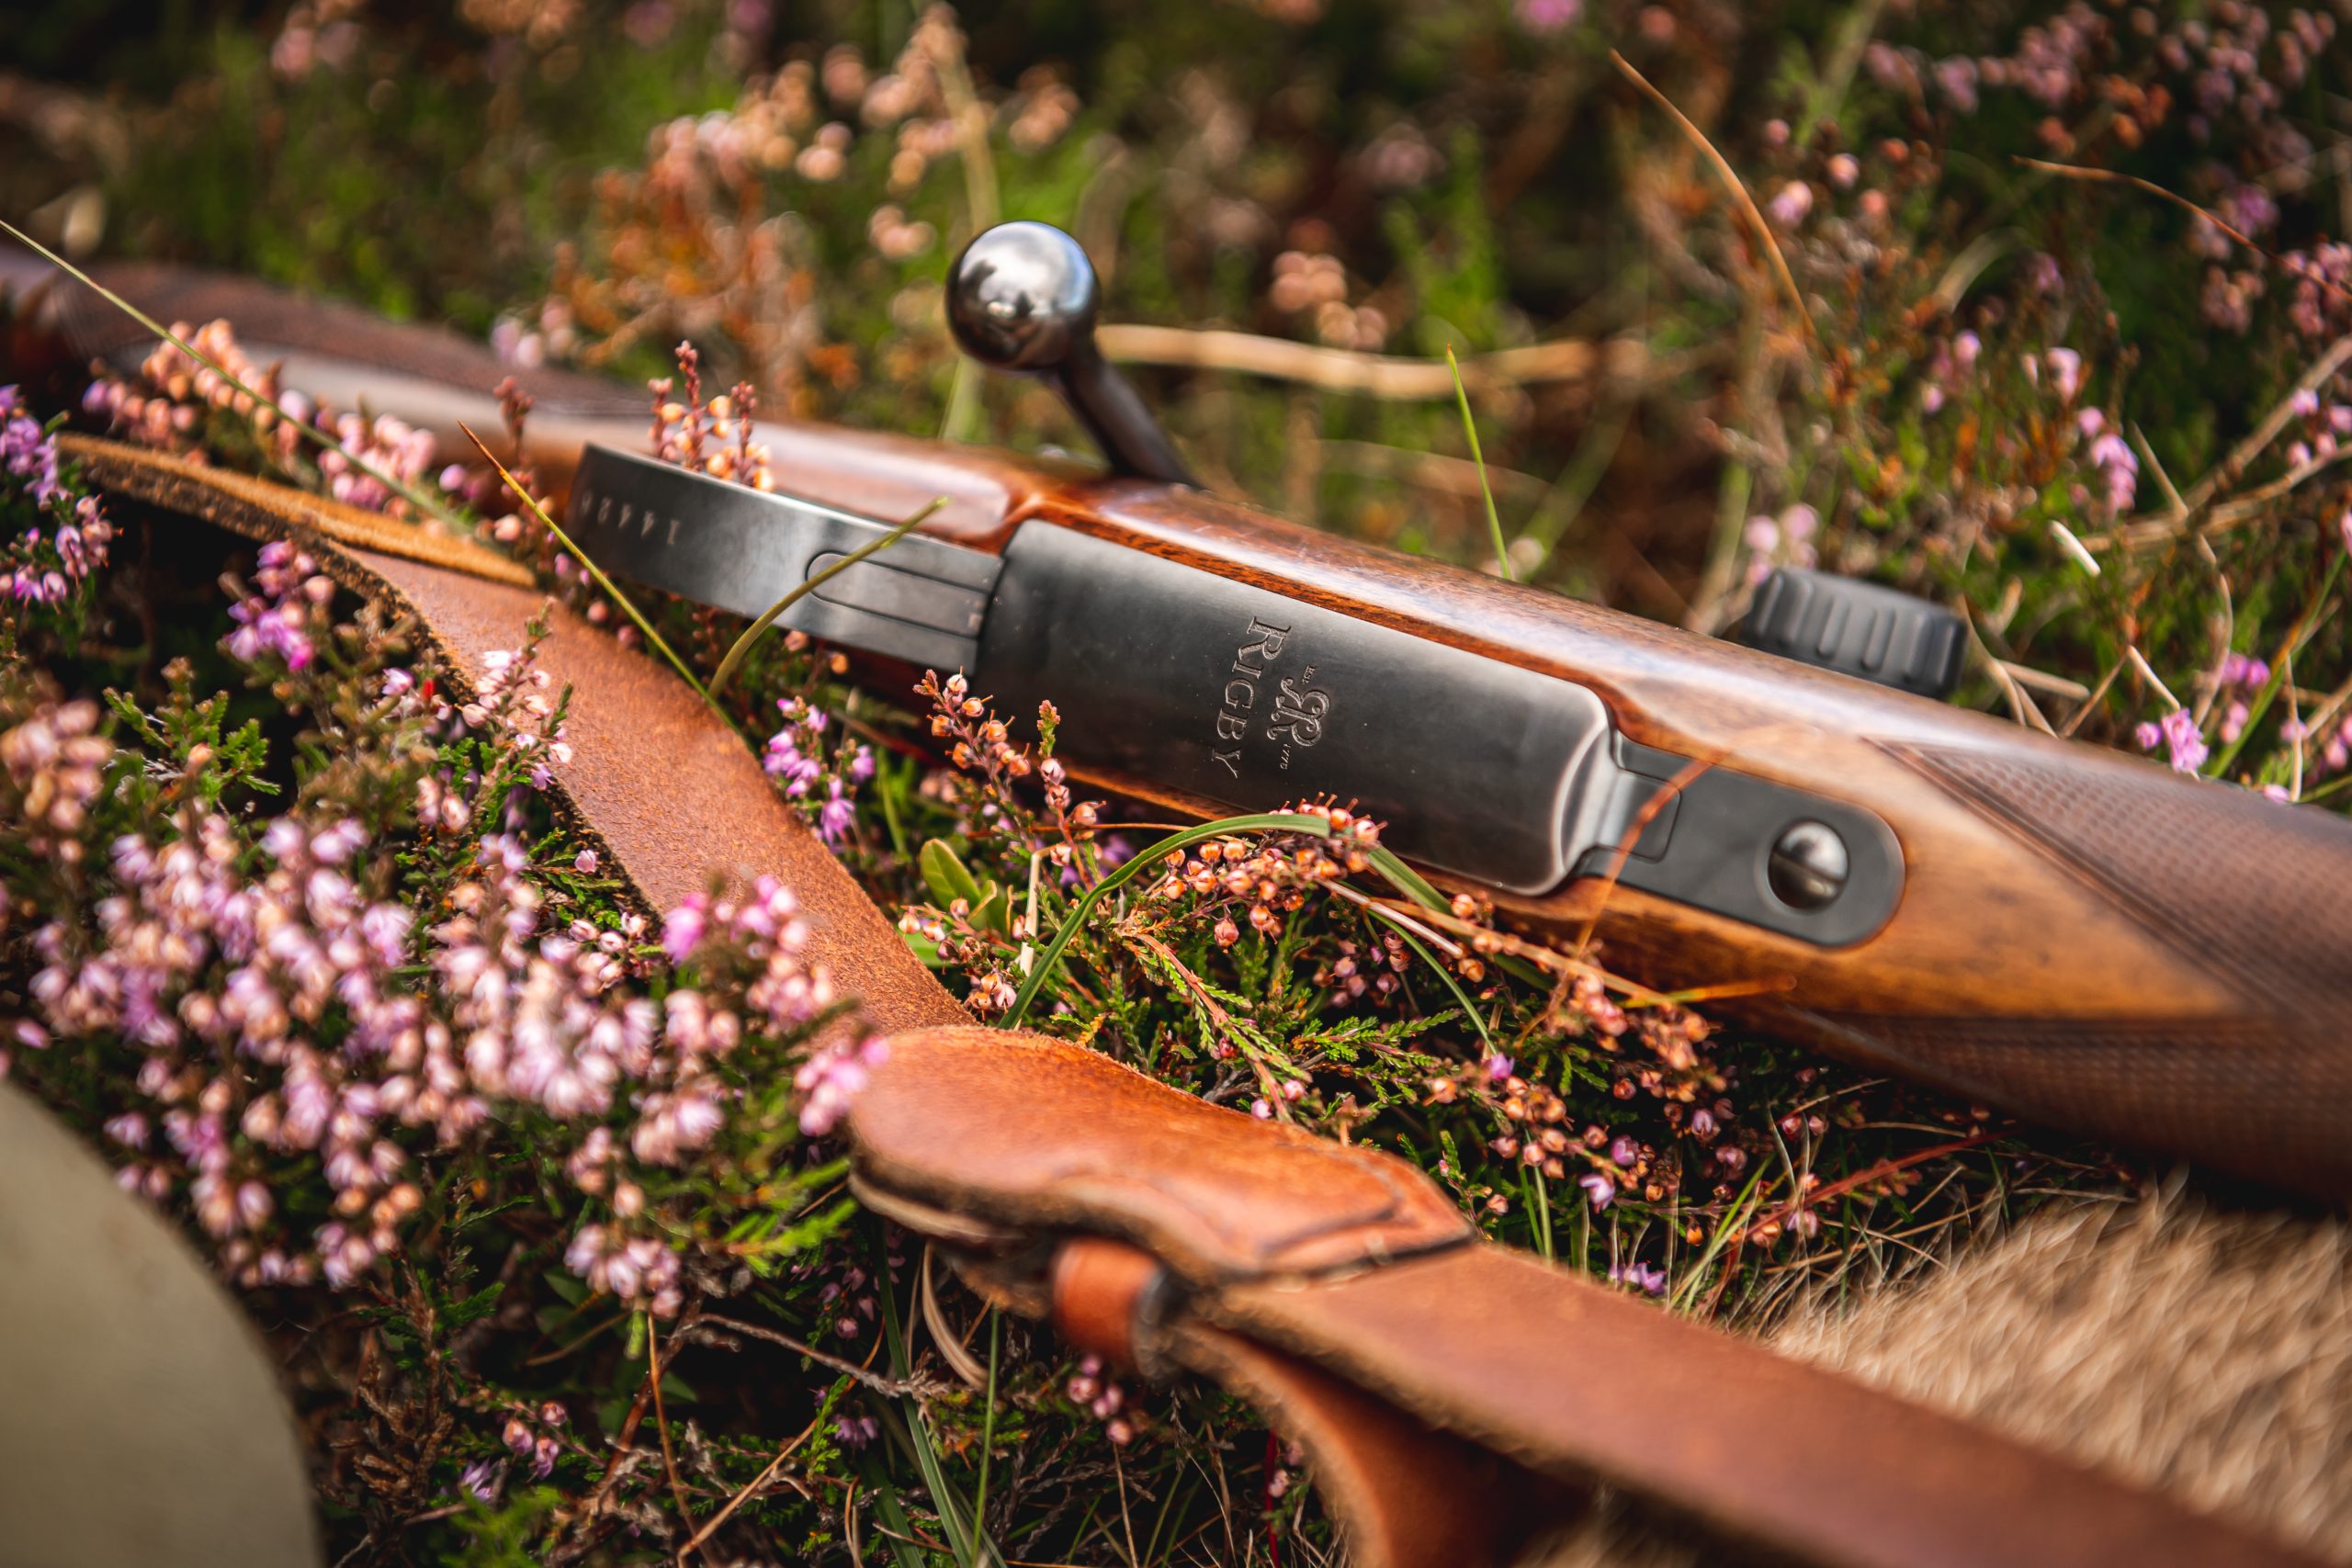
[(2076, 936)]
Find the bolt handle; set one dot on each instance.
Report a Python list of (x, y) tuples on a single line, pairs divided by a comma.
[(1022, 297)]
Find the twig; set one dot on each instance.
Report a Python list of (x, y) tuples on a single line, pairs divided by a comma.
[(1863, 1178), (1388, 376), (2022, 707), (2147, 673), (737, 1501), (662, 1426), (628, 1433), (1732, 183), (1433, 470), (2042, 681), (894, 1387), (2090, 704)]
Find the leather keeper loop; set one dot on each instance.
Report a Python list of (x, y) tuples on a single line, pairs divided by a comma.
[(1109, 1299)]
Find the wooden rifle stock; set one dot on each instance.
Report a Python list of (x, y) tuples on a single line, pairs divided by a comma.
[(2081, 938)]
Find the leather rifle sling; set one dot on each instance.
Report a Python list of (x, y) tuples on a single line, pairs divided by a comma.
[(1429, 1375)]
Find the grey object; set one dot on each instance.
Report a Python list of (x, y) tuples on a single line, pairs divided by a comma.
[(1878, 634), (922, 601), (1242, 696), (1247, 698), (143, 1426), (1251, 699), (1724, 833), (1809, 866), (1023, 298)]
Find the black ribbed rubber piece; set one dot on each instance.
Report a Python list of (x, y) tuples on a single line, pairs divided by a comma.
[(1857, 628)]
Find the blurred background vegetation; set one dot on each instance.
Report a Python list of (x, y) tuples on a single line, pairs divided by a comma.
[(591, 182)]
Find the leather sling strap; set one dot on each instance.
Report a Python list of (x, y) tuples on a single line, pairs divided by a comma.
[(1442, 1386)]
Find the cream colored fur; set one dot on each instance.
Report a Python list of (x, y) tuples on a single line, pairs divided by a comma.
[(2199, 1350)]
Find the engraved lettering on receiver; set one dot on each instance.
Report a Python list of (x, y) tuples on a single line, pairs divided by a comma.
[(1240, 696)]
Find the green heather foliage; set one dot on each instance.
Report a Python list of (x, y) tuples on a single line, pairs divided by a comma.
[(2037, 309)]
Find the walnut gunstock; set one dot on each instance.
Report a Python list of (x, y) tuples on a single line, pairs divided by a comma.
[(2073, 935)]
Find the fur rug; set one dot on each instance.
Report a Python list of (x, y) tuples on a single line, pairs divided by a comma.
[(2199, 1350)]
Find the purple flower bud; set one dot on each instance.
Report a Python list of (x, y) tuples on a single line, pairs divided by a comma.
[(484, 1479)]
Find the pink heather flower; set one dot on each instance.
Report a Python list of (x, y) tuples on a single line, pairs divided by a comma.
[(26, 451), (1599, 1187), (2065, 372), (2178, 732), (1498, 1069), (1789, 206), (832, 1079), (1547, 16), (1645, 1277), (683, 927), (485, 1479), (2118, 468), (585, 863), (2244, 670), (833, 818)]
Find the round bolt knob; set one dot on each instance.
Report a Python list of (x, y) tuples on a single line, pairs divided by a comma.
[(1022, 297), (1809, 866)]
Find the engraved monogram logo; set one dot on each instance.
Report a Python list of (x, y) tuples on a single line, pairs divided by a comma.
[(1299, 710)]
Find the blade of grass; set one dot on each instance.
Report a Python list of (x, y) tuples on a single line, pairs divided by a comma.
[(899, 1528), (752, 633), (1535, 1192), (1411, 883), (653, 638), (1486, 491), (987, 1424), (904, 1419), (1470, 1011), (1048, 961), (317, 438), (1735, 1224)]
